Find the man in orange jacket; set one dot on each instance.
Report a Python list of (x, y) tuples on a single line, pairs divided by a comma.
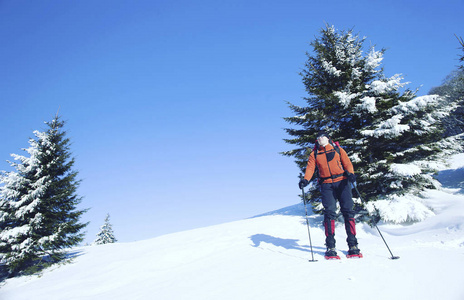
[(335, 174)]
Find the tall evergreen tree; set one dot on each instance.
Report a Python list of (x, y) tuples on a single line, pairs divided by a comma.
[(453, 89), (106, 234), (461, 58), (39, 214), (383, 126), (20, 199)]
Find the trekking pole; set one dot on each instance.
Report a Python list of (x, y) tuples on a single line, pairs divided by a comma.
[(359, 194), (307, 224)]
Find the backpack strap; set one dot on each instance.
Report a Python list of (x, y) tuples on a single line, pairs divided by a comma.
[(315, 149), (336, 146)]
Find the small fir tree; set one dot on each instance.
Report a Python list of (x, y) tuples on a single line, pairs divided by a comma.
[(106, 234), (39, 217)]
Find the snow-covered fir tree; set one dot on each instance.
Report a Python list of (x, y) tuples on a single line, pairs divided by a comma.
[(453, 89), (106, 234), (461, 58), (38, 200), (20, 197), (390, 134)]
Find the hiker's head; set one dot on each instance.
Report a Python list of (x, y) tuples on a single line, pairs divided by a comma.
[(322, 138)]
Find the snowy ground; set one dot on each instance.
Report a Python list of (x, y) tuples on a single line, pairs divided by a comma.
[(266, 257)]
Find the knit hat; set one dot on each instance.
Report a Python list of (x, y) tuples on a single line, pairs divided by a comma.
[(322, 133)]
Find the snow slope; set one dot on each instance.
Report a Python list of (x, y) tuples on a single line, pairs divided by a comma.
[(266, 257)]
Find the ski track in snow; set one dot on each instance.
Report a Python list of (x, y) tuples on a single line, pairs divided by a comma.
[(266, 257)]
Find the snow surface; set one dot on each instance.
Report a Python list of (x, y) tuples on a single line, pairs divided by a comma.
[(266, 257)]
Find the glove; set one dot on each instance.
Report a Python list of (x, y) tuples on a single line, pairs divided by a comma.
[(303, 182), (351, 177)]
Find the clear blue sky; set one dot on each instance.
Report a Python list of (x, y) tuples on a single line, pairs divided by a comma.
[(175, 107)]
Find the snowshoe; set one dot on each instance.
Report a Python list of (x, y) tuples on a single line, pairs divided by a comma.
[(354, 252), (331, 254)]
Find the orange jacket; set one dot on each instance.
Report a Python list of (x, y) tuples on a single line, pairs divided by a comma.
[(329, 163)]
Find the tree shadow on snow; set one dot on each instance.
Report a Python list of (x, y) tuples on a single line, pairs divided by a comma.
[(74, 253), (67, 258), (452, 178), (289, 244)]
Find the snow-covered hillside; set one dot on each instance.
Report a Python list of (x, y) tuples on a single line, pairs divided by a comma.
[(266, 257)]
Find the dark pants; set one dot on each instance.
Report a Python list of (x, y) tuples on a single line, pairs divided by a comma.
[(341, 191)]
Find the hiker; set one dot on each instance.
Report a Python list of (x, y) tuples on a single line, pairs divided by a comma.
[(335, 175)]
